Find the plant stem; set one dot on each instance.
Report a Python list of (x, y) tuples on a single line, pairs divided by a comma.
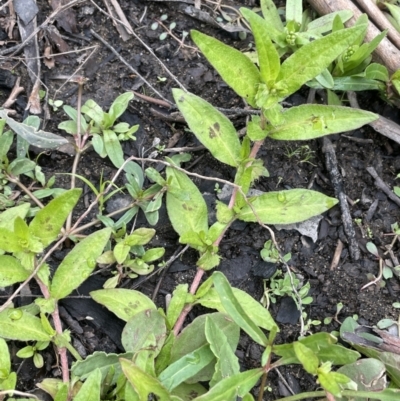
[(25, 189)]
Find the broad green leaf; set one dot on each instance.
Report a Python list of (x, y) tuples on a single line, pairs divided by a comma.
[(122, 302), (6, 141), (141, 329), (188, 392), (353, 83), (140, 236), (9, 383), (294, 11), (41, 139), (268, 57), (189, 211), (186, 367), (48, 221), (93, 111), (234, 67), (324, 24), (311, 121), (177, 303), (143, 383), (90, 390), (235, 310), (9, 241), (11, 271), (78, 264), (8, 217), (325, 79), (212, 128), (16, 324), (112, 146), (193, 337), (377, 71), (5, 362), (227, 362), (306, 357), (395, 11), (153, 254), (311, 59), (20, 166), (368, 373), (119, 105), (99, 359), (271, 14), (256, 312), (230, 387), (286, 207)]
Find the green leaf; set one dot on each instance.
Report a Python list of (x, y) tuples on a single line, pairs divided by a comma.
[(212, 128), (6, 141), (234, 67), (177, 303), (306, 357), (294, 11), (16, 324), (286, 207), (235, 310), (395, 11), (368, 373), (353, 83), (93, 111), (193, 337), (324, 24), (189, 211), (142, 329), (9, 241), (20, 166), (231, 387), (78, 264), (41, 139), (122, 302), (99, 360), (227, 362), (90, 390), (153, 254), (48, 221), (311, 121), (119, 105), (311, 59), (140, 236), (186, 367), (11, 271), (143, 383), (271, 14), (5, 362), (113, 148), (256, 312), (268, 56)]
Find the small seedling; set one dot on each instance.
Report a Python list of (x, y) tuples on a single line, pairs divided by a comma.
[(328, 320), (55, 104), (303, 153)]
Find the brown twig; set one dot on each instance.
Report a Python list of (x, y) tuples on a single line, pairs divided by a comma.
[(14, 94), (382, 186)]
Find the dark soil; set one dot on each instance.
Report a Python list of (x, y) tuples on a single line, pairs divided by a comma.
[(109, 77)]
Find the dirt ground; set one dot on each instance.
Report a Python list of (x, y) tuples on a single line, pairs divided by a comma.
[(355, 151)]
